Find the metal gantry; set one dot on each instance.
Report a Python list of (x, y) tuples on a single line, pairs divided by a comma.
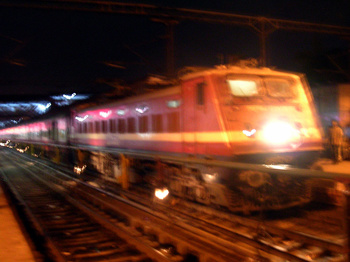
[(262, 25)]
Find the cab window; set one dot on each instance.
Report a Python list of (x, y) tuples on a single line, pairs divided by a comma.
[(245, 87), (279, 87)]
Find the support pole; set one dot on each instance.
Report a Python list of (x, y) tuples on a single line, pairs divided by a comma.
[(263, 37), (170, 50), (264, 27)]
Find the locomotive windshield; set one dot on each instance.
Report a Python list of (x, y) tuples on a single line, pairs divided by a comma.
[(279, 87), (244, 88), (248, 86)]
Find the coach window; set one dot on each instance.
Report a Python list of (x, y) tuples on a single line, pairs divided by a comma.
[(97, 127), (131, 125), (200, 94), (157, 123), (54, 130), (121, 126), (143, 124), (104, 126), (85, 128), (90, 127), (173, 122), (112, 126)]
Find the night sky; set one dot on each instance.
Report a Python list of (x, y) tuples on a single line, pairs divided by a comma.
[(53, 51)]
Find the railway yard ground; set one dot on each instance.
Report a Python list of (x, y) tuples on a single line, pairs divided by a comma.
[(13, 241), (328, 166), (319, 235)]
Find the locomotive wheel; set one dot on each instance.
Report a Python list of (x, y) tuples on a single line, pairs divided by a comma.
[(254, 178)]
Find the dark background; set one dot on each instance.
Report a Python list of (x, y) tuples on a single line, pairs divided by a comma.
[(49, 51)]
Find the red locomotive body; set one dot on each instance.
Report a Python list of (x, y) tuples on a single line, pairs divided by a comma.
[(229, 112), (237, 113)]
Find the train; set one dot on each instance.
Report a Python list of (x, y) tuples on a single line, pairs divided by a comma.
[(231, 113)]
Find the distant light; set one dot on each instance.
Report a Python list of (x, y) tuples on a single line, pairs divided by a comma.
[(81, 119), (69, 97), (22, 150), (173, 103), (73, 96), (105, 114), (142, 109), (211, 177), (42, 108), (5, 144), (161, 193), (65, 100), (121, 112), (16, 121), (79, 170), (39, 107)]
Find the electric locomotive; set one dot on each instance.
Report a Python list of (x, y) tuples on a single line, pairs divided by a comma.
[(237, 113)]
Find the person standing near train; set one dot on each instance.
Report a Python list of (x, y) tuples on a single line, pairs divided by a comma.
[(336, 140)]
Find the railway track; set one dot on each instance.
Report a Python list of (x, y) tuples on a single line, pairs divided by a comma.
[(71, 234), (287, 239), (314, 232), (152, 233)]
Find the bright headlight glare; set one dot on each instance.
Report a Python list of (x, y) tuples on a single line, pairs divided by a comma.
[(279, 133)]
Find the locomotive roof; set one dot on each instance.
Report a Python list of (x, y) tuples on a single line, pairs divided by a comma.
[(150, 95), (238, 69), (193, 72)]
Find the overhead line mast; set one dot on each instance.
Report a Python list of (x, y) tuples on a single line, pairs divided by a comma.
[(262, 25)]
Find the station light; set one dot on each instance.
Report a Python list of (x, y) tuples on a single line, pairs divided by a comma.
[(161, 193), (69, 97), (42, 108)]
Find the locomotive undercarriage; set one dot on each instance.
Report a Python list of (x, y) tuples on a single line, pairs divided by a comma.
[(236, 190), (233, 189)]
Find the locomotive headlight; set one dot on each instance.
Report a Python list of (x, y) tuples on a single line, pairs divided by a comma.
[(279, 133)]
